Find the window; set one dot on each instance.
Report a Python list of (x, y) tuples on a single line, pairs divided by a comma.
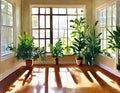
[(49, 24), (6, 26), (107, 19)]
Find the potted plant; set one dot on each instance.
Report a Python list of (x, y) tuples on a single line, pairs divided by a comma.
[(114, 42), (92, 45), (57, 50), (26, 49), (78, 46)]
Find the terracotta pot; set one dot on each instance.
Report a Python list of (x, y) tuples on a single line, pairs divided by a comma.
[(79, 61), (29, 63)]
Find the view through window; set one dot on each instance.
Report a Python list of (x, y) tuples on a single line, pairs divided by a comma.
[(49, 24), (6, 26)]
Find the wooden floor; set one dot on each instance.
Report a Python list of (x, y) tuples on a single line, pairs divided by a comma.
[(66, 79)]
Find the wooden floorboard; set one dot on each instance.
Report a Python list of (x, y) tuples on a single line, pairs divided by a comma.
[(62, 78)]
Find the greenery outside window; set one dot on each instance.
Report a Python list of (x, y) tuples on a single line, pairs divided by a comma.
[(7, 26), (107, 20)]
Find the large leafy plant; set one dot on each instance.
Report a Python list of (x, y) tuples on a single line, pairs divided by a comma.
[(78, 46), (26, 48), (80, 28), (79, 25), (93, 45)]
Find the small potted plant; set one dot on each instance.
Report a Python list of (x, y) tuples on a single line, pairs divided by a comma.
[(27, 50), (57, 50)]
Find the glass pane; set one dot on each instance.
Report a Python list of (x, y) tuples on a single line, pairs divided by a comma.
[(47, 44), (34, 21), (62, 11), (35, 33), (10, 9), (114, 15), (54, 41), (47, 33), (69, 32), (104, 44), (64, 41), (104, 18), (47, 10), (104, 33), (10, 36), (42, 43), (4, 19), (62, 33), (114, 28), (36, 43), (34, 10), (55, 33), (9, 20), (3, 39), (42, 10), (47, 21), (4, 7), (80, 11), (55, 22), (81, 16), (42, 33), (63, 22), (109, 16), (42, 21), (70, 23), (55, 10), (71, 10)]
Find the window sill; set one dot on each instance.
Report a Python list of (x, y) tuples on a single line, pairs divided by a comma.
[(6, 56)]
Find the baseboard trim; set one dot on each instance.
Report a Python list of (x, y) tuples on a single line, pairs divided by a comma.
[(9, 71), (115, 72)]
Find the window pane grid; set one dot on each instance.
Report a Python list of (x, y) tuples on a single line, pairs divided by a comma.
[(107, 19), (6, 26), (54, 23)]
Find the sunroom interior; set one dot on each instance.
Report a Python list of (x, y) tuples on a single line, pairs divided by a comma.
[(38, 18)]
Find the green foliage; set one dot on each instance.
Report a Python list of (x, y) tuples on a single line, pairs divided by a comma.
[(57, 50), (78, 46), (79, 34), (26, 48), (105, 51), (114, 38), (93, 45), (79, 25), (65, 44)]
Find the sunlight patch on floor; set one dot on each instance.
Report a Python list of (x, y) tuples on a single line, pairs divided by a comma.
[(66, 79), (108, 80)]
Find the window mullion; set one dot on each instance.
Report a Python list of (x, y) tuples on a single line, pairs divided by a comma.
[(51, 26)]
